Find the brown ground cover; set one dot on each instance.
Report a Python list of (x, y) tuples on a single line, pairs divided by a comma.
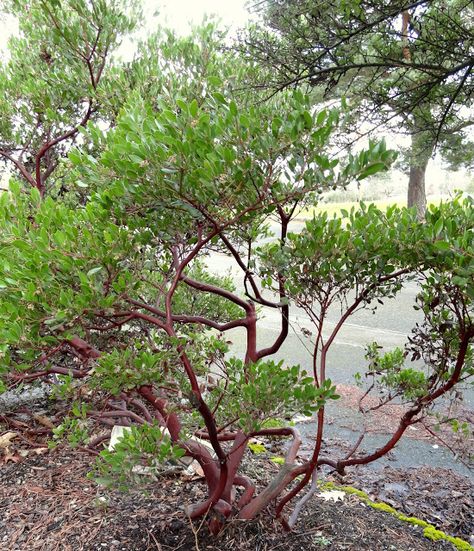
[(48, 504)]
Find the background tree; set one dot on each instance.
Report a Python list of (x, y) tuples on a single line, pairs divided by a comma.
[(56, 79), (405, 65)]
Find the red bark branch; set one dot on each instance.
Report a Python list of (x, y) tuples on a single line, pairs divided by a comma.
[(288, 472), (235, 458), (190, 319), (311, 466), (48, 145), (171, 420), (20, 166), (408, 417), (208, 288)]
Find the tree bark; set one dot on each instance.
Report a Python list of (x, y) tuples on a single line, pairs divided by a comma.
[(421, 151), (416, 188)]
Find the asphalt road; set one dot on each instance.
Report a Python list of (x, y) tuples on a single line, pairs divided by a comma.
[(389, 326)]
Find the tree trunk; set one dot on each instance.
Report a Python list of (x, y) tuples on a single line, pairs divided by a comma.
[(421, 151), (416, 188)]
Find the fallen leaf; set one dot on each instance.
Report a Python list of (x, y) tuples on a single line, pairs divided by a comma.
[(257, 447), (194, 470), (36, 451), (43, 420), (198, 470), (13, 457), (6, 438), (334, 495), (40, 451)]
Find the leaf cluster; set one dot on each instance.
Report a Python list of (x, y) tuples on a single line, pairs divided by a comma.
[(262, 391)]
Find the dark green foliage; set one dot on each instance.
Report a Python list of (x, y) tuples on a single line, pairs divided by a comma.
[(142, 449), (405, 65)]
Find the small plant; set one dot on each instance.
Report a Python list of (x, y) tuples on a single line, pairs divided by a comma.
[(321, 541), (142, 449)]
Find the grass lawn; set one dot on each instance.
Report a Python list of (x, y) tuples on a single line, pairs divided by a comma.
[(335, 208)]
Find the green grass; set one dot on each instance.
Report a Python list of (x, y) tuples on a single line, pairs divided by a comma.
[(335, 208)]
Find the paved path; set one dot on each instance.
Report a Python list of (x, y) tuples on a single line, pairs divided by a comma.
[(389, 326)]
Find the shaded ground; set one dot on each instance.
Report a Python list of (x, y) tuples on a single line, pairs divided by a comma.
[(47, 503), (439, 496)]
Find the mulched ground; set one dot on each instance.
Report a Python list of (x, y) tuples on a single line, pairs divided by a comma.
[(438, 496), (48, 504), (385, 420)]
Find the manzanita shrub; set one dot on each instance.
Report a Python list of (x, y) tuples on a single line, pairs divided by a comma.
[(59, 74), (114, 302)]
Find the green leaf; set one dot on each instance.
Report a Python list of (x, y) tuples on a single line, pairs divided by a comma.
[(308, 119), (193, 108), (321, 117), (93, 271), (35, 195), (371, 170), (257, 448), (220, 98), (442, 245), (75, 156)]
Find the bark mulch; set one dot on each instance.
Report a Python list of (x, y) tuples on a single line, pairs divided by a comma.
[(48, 504)]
